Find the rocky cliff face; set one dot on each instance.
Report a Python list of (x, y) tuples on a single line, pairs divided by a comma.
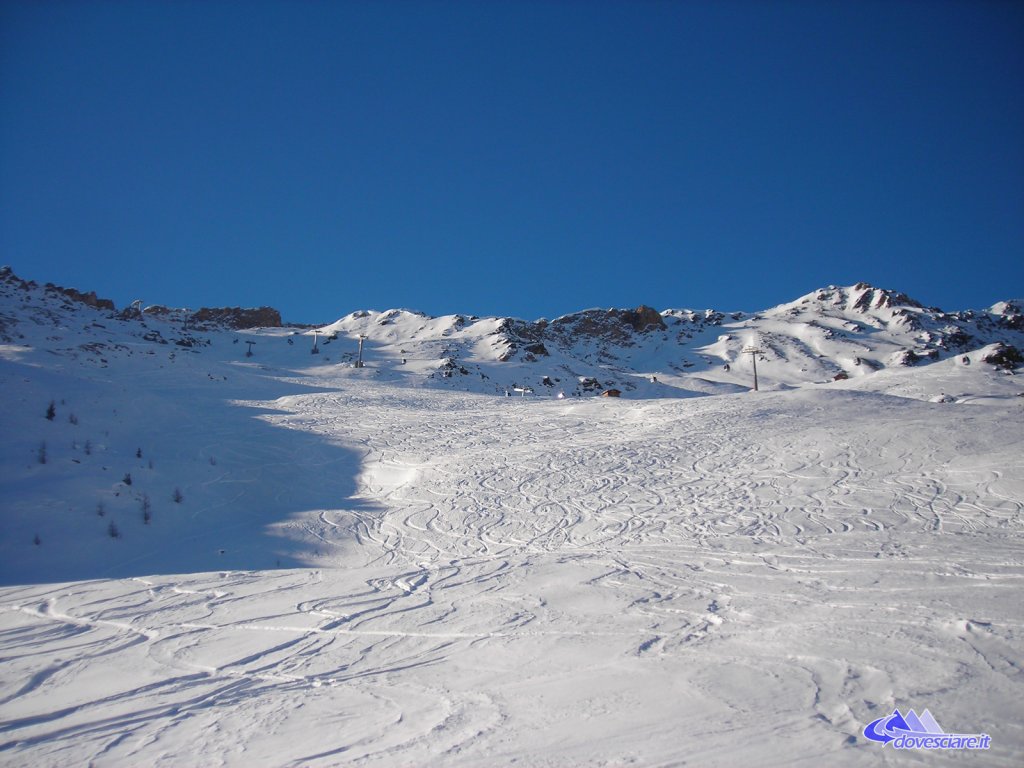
[(65, 295), (238, 318), (234, 318), (613, 325)]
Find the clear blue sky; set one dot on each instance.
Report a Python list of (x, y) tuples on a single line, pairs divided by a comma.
[(520, 158)]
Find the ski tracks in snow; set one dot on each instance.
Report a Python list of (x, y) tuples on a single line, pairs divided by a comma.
[(565, 581)]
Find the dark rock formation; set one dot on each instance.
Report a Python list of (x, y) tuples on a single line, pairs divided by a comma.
[(238, 318), (877, 298), (643, 319), (537, 349), (610, 325), (89, 299), (1005, 356)]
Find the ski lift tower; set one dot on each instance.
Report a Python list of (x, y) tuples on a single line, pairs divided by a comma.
[(752, 350), (315, 350), (248, 352), (359, 360)]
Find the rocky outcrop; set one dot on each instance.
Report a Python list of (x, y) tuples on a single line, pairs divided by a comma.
[(614, 325), (868, 297), (7, 276), (90, 299), (238, 318), (642, 319), (1004, 356), (521, 335), (530, 341)]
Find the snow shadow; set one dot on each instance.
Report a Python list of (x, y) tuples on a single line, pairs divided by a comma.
[(216, 487)]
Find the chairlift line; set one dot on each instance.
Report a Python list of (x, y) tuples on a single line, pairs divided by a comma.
[(753, 351), (359, 360)]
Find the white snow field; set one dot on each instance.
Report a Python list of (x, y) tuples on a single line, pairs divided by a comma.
[(364, 572)]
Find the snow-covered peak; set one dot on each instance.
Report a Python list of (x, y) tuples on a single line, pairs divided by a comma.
[(1014, 308), (861, 298)]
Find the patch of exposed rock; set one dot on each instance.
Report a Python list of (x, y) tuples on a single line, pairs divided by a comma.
[(238, 318), (1005, 356), (89, 299), (616, 325)]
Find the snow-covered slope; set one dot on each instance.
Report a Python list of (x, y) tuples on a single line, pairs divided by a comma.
[(368, 566)]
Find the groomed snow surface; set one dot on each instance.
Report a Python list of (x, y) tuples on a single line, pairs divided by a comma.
[(362, 573)]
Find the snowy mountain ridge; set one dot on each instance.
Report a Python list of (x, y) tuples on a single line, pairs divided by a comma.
[(830, 334)]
